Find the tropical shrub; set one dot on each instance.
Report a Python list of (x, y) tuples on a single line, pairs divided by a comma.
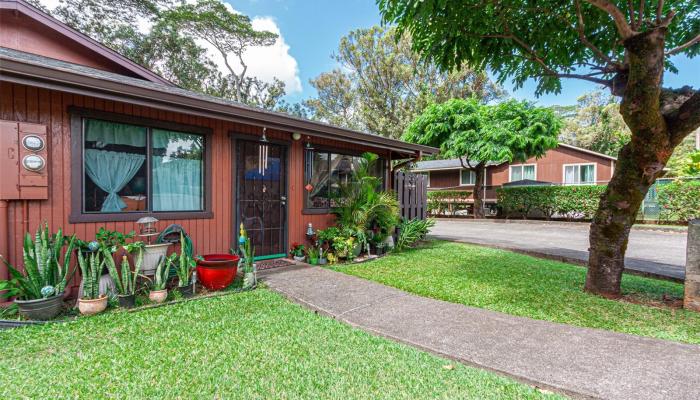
[(411, 231), (44, 275), (573, 202), (442, 201), (679, 200)]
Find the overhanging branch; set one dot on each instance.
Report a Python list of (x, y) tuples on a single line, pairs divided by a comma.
[(686, 119), (623, 28), (684, 46)]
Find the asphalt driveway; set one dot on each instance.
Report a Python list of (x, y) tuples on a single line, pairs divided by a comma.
[(649, 252)]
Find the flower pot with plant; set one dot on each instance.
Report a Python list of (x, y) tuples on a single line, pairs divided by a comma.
[(313, 253), (159, 291), (125, 278), (91, 302), (247, 252), (184, 268), (297, 251), (38, 290)]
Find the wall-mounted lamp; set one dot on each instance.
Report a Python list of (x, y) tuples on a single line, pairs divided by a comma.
[(310, 231), (296, 135)]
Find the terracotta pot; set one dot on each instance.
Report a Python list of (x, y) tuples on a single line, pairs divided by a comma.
[(92, 306), (217, 271), (41, 309), (158, 296)]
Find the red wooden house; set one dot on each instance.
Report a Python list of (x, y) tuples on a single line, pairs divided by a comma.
[(91, 139)]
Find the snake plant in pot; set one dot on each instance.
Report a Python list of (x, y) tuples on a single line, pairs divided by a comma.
[(125, 279), (38, 290), (91, 301), (159, 291), (184, 268)]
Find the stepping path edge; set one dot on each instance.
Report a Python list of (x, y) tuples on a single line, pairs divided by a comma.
[(284, 281)]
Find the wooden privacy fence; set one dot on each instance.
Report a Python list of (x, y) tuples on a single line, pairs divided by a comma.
[(412, 192)]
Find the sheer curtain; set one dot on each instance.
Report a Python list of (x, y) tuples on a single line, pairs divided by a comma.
[(177, 173), (111, 171)]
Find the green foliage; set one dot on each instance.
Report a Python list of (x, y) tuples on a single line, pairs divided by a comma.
[(595, 123), (524, 40), (160, 280), (573, 202), (381, 85), (360, 207), (124, 278), (412, 231), (441, 201), (531, 287), (679, 200), (185, 265), (112, 240), (44, 275), (91, 270)]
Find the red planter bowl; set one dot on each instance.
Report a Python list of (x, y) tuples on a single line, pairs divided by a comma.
[(217, 271)]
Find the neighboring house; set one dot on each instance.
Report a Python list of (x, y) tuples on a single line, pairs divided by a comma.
[(90, 139), (565, 165)]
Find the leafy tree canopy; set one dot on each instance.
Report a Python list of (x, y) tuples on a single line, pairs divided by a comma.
[(467, 129), (382, 85)]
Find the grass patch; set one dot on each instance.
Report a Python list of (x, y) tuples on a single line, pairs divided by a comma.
[(250, 345), (531, 287)]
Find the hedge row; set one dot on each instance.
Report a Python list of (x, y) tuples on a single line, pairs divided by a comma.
[(441, 202), (572, 202), (679, 200)]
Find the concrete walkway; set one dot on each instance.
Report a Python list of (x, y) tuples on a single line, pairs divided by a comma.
[(652, 253), (584, 363)]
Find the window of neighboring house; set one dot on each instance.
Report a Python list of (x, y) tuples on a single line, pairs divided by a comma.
[(131, 169), (467, 177), (326, 172), (579, 174), (521, 172)]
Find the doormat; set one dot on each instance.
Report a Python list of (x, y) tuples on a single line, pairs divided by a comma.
[(267, 264)]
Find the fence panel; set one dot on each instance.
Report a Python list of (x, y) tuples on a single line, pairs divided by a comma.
[(412, 192)]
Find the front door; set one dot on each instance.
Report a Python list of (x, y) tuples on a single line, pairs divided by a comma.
[(261, 196)]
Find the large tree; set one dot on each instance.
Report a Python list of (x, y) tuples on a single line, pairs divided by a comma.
[(381, 84), (595, 123), (624, 46), (477, 134)]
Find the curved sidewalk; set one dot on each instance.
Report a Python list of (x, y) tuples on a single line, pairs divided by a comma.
[(581, 362)]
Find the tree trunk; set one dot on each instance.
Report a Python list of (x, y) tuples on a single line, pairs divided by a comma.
[(479, 170), (639, 163)]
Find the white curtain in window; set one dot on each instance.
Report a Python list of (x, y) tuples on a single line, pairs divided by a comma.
[(529, 172), (111, 171), (516, 173), (177, 184), (587, 174), (570, 174)]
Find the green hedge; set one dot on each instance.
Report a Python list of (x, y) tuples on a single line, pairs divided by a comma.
[(679, 200), (442, 201), (573, 202)]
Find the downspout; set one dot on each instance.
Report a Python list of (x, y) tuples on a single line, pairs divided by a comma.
[(4, 236)]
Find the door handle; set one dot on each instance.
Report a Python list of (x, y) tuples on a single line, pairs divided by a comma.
[(283, 198)]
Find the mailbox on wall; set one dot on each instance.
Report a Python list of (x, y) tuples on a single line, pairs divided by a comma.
[(24, 161)]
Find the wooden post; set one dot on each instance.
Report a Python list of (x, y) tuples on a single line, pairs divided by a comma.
[(691, 300)]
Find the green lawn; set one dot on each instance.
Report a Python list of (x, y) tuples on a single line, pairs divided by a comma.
[(249, 345), (530, 287)]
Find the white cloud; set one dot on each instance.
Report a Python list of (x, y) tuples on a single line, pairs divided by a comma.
[(265, 63)]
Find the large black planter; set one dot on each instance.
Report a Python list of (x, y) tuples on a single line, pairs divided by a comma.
[(127, 301), (41, 309)]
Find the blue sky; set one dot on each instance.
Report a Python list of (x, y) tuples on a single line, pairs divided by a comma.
[(312, 29)]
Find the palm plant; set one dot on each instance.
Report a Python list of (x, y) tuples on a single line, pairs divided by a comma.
[(411, 231), (43, 276), (91, 270)]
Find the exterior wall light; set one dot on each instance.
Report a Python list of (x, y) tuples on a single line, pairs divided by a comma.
[(296, 135)]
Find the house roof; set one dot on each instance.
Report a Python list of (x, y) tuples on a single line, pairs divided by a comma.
[(41, 17), (35, 70), (437, 165)]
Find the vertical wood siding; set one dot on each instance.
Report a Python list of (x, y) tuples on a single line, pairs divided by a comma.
[(29, 104)]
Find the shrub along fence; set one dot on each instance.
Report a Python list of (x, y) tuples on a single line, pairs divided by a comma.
[(571, 202), (447, 202), (679, 200)]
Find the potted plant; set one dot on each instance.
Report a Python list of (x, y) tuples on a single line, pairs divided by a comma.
[(184, 269), (247, 250), (159, 292), (91, 302), (38, 291), (297, 252), (313, 254), (125, 279)]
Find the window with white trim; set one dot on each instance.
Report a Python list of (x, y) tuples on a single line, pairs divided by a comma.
[(467, 177), (523, 171), (579, 174)]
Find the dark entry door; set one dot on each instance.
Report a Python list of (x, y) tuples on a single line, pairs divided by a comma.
[(261, 196)]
